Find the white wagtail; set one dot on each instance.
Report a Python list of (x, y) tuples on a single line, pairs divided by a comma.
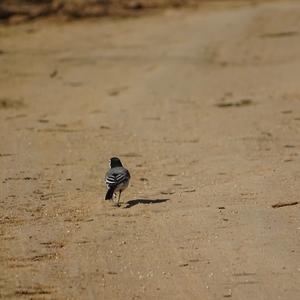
[(116, 179)]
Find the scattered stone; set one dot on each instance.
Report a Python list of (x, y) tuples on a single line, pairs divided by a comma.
[(53, 73), (282, 204), (190, 191), (279, 34), (183, 265), (243, 102), (112, 273), (228, 294), (143, 179), (116, 91), (6, 103), (167, 193)]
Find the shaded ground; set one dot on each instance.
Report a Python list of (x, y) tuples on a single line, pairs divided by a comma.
[(203, 108)]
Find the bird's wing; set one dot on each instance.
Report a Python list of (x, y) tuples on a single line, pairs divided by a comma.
[(116, 176)]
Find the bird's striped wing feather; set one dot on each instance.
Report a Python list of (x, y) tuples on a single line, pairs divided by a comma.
[(116, 178)]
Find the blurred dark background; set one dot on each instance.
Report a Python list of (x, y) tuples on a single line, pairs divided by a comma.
[(18, 11)]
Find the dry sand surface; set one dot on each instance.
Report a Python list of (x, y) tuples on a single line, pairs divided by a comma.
[(202, 106)]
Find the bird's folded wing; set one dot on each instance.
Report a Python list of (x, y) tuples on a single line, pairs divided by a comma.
[(116, 178)]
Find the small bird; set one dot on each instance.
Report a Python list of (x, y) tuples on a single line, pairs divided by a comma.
[(116, 179)]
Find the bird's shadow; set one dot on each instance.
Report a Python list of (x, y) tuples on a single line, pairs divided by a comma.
[(134, 202)]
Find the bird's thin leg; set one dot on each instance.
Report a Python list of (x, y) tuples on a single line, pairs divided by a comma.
[(119, 198)]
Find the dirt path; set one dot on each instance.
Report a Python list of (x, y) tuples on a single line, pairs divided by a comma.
[(202, 106)]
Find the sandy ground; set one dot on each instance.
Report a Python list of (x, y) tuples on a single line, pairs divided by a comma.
[(203, 107)]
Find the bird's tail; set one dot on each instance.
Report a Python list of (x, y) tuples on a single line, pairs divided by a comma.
[(110, 193)]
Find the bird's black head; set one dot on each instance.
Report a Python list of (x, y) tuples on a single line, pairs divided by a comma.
[(115, 162)]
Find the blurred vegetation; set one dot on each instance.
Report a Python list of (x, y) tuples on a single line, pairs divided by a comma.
[(17, 11)]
